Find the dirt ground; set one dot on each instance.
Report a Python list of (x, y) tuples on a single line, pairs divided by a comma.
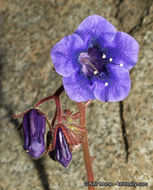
[(120, 134)]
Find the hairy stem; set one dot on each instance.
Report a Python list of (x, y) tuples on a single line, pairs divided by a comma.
[(85, 148), (56, 95)]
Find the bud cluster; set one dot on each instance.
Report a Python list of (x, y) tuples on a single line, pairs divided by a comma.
[(63, 136)]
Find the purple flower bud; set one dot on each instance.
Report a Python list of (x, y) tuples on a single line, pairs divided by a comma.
[(62, 152), (34, 125)]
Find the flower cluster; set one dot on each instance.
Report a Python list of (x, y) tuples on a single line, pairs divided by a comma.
[(95, 61)]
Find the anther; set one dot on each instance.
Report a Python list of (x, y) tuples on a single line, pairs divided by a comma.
[(103, 56), (106, 84), (121, 65), (95, 72), (110, 59)]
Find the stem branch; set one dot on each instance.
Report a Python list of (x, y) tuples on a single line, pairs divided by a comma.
[(56, 95)]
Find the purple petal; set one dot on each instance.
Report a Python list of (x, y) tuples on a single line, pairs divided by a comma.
[(116, 87), (63, 153), (78, 88), (34, 131), (84, 79), (98, 28), (124, 50), (65, 54)]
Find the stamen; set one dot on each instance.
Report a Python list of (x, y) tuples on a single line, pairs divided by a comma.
[(88, 62), (103, 56), (95, 72), (110, 59), (121, 65), (106, 84)]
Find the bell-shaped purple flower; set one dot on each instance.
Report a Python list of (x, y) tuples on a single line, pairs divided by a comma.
[(61, 152), (34, 125), (95, 61)]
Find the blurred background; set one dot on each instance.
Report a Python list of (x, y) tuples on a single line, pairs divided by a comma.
[(120, 134)]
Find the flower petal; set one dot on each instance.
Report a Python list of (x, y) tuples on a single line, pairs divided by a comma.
[(34, 125), (63, 153), (96, 27), (78, 87), (124, 50), (65, 54), (116, 87)]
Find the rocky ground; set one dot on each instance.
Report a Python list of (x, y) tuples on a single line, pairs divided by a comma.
[(120, 134)]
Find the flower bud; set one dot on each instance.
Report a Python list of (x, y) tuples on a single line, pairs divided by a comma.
[(34, 125), (61, 152)]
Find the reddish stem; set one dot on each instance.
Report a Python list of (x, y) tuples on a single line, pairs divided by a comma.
[(57, 101), (85, 148), (56, 95), (44, 100), (87, 103), (58, 109), (77, 115), (21, 114), (54, 119)]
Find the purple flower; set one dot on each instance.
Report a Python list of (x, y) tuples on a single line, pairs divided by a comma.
[(61, 152), (34, 125), (95, 61)]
